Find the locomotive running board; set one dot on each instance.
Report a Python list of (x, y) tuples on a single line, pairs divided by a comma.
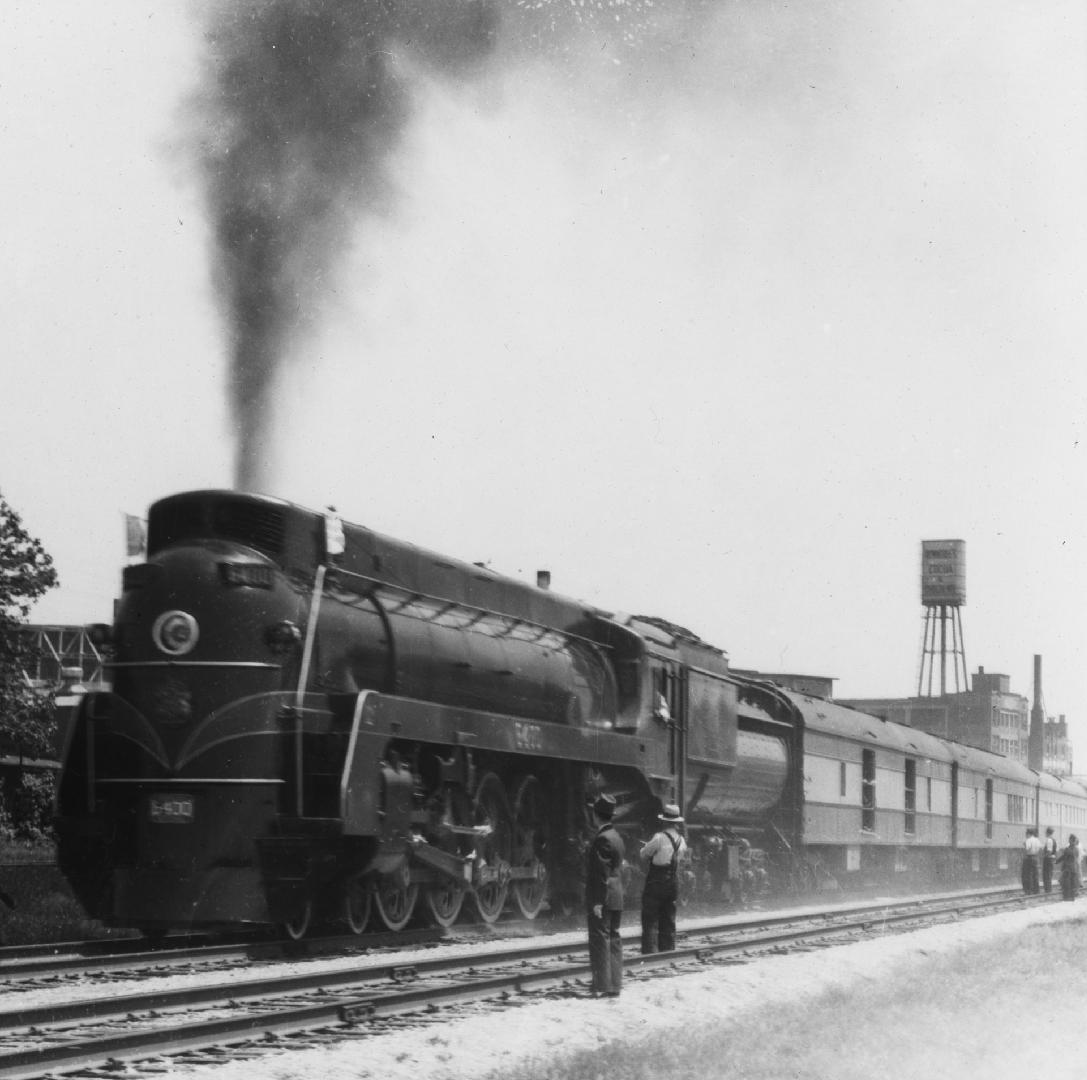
[(375, 719)]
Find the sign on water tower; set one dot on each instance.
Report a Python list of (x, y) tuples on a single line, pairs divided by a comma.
[(943, 573), (943, 594)]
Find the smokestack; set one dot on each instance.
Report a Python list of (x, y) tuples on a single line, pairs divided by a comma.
[(543, 579), (1036, 740)]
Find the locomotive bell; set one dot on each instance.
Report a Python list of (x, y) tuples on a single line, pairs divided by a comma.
[(282, 637)]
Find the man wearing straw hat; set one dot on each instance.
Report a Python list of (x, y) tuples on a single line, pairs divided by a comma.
[(663, 854)]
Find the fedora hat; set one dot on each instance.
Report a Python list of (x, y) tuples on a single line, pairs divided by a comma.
[(671, 814), (605, 806)]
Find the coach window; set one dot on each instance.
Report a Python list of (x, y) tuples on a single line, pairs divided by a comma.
[(911, 796), (868, 790), (988, 809), (841, 779), (928, 790)]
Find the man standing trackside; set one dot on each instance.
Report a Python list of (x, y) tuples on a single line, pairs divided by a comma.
[(1049, 859), (1032, 848), (604, 901), (1070, 871), (663, 853)]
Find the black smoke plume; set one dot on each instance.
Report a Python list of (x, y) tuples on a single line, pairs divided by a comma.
[(302, 102)]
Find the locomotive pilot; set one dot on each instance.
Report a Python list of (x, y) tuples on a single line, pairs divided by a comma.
[(604, 900)]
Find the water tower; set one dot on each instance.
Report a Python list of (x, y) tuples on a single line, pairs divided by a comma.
[(943, 593)]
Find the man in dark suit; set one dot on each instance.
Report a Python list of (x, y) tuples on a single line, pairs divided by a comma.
[(604, 900)]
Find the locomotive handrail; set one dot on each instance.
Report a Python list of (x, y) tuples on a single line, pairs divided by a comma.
[(192, 664), (303, 678), (721, 676), (349, 755), (189, 781)]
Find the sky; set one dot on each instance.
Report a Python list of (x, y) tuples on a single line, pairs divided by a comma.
[(714, 309)]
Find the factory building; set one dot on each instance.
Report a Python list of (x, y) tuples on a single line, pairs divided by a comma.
[(990, 715), (987, 713), (1058, 747)]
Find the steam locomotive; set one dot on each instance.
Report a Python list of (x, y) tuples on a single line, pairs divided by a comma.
[(311, 721)]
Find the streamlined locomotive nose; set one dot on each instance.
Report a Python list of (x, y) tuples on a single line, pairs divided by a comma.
[(202, 639), (189, 748)]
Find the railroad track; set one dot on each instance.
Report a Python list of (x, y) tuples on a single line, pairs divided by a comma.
[(27, 966), (246, 1017)]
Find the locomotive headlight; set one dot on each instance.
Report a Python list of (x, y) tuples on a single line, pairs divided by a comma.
[(175, 632)]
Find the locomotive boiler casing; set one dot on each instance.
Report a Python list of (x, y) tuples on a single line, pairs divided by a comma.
[(396, 618), (431, 649)]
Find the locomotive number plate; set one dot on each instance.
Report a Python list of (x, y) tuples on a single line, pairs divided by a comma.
[(171, 809)]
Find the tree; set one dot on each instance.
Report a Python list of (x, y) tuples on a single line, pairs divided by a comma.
[(26, 569), (27, 717)]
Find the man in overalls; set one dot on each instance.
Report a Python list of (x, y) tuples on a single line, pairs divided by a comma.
[(663, 853)]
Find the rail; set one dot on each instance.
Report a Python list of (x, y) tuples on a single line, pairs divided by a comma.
[(142, 1027)]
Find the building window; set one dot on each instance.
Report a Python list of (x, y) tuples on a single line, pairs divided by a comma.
[(911, 796), (868, 790)]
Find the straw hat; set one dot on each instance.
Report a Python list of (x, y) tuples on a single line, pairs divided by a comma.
[(671, 815)]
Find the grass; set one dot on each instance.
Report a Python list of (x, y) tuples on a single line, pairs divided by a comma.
[(961, 1014), (45, 909)]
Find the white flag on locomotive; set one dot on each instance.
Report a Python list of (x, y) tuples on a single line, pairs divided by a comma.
[(335, 542), (135, 536)]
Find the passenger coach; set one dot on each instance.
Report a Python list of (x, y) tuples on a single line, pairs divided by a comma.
[(882, 799)]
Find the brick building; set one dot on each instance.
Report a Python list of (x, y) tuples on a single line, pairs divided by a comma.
[(990, 716)]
